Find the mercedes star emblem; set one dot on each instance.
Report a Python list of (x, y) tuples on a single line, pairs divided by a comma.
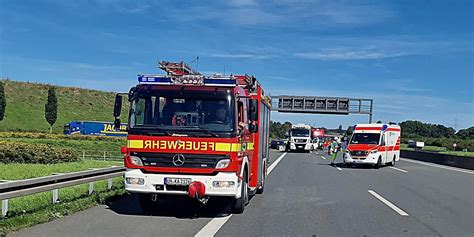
[(178, 160)]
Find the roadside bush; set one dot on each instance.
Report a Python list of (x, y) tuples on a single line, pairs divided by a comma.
[(443, 142), (17, 152), (58, 136)]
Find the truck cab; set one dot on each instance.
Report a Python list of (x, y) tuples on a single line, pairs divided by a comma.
[(373, 144), (300, 138), (194, 135)]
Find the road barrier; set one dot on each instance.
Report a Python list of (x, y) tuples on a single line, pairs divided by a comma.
[(439, 158), (101, 155), (19, 188)]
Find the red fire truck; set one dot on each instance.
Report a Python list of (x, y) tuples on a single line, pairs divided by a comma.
[(196, 135)]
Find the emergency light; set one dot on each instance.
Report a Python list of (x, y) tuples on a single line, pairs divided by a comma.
[(187, 80)]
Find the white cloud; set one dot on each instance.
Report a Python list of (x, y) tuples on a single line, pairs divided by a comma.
[(240, 55), (348, 54)]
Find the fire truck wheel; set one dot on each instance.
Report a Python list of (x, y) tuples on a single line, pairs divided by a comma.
[(146, 203), (379, 163), (261, 189), (238, 205)]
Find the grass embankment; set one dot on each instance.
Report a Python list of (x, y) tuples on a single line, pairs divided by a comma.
[(37, 208), (442, 150), (34, 209), (25, 106)]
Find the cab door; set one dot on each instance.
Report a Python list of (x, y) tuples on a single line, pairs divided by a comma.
[(384, 147)]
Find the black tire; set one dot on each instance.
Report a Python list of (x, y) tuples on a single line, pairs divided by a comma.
[(261, 189), (379, 163), (238, 205), (393, 162), (146, 203)]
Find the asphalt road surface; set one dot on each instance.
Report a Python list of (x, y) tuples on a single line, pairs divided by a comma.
[(304, 196)]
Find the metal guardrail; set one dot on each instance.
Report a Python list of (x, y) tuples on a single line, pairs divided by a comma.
[(19, 188), (100, 155)]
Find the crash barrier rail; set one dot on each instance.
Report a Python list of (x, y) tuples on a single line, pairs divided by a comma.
[(439, 158), (101, 155), (24, 187)]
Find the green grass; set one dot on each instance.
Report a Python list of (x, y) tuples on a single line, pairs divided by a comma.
[(17, 171), (25, 106), (35, 209), (442, 150)]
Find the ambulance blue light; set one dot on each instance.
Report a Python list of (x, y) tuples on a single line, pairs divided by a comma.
[(384, 127)]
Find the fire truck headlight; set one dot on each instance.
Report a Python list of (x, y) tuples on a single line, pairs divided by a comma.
[(223, 184), (138, 181), (136, 160), (222, 164)]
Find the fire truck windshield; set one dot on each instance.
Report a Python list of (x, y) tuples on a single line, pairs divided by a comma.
[(192, 113), (365, 138)]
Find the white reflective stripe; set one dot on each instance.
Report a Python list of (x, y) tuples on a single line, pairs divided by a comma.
[(386, 202)]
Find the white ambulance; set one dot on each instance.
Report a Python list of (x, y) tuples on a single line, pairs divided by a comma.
[(374, 144)]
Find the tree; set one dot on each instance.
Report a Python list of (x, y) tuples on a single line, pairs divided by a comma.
[(3, 101), (339, 130), (379, 121), (349, 131), (51, 108)]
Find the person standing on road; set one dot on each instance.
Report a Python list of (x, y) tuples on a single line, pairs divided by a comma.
[(334, 148)]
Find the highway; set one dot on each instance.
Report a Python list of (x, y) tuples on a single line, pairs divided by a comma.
[(304, 196)]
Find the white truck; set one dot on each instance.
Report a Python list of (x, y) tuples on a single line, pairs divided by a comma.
[(300, 138)]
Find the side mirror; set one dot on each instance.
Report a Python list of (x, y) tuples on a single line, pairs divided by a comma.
[(118, 106), (253, 109), (117, 124)]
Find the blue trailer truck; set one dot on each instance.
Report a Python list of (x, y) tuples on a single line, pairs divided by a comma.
[(95, 128)]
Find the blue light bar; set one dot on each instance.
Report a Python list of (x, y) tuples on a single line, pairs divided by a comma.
[(185, 80), (154, 79)]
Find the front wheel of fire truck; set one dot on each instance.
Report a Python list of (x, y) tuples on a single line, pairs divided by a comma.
[(238, 205), (148, 202)]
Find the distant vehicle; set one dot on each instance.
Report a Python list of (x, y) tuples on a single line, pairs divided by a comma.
[(317, 143), (416, 144), (300, 138), (275, 143), (374, 144), (95, 128)]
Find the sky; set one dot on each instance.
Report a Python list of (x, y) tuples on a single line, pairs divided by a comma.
[(413, 58)]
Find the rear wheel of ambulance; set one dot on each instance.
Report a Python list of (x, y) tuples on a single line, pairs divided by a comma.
[(393, 161), (238, 205), (148, 203)]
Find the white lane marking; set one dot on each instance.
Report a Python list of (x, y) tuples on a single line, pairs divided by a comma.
[(386, 202), (395, 168), (211, 228), (323, 157), (438, 166), (338, 168), (274, 164)]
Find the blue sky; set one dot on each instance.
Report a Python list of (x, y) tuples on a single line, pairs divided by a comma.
[(414, 58)]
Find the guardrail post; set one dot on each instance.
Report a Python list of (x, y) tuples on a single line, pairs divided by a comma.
[(91, 188), (109, 183), (104, 154), (4, 207), (83, 154), (55, 196)]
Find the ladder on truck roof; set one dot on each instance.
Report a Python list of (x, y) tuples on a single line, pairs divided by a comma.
[(177, 69)]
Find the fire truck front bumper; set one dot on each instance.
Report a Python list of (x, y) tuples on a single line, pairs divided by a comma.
[(370, 159), (221, 184)]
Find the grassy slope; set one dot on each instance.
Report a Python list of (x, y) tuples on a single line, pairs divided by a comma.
[(25, 106)]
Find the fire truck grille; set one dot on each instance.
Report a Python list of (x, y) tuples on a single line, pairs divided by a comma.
[(358, 153), (204, 161)]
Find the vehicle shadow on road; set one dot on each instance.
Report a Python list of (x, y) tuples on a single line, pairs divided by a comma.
[(177, 207), (342, 166)]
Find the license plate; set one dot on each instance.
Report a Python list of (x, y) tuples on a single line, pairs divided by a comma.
[(177, 181), (357, 161)]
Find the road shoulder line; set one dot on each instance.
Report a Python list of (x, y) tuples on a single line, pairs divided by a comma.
[(438, 166), (388, 203)]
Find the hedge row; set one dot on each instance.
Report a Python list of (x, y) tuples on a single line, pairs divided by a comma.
[(17, 152), (461, 144), (57, 136)]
